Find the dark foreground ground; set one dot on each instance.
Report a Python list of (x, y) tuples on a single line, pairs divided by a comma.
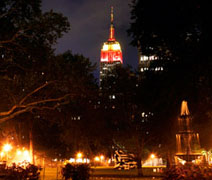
[(103, 173)]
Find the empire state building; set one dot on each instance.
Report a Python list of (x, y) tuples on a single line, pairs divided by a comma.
[(111, 54)]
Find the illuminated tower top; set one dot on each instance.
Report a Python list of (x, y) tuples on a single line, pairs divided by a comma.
[(112, 30), (111, 50)]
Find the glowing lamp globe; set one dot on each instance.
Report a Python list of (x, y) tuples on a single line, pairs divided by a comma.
[(7, 147)]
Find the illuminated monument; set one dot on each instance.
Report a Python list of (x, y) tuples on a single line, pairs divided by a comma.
[(187, 141), (111, 54)]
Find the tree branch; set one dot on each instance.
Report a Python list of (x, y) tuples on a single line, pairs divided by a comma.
[(19, 109), (8, 112), (36, 90), (19, 33), (48, 100), (8, 12), (12, 115), (41, 104), (51, 108)]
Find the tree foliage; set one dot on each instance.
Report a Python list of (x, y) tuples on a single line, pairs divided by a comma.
[(37, 87), (178, 33), (26, 39)]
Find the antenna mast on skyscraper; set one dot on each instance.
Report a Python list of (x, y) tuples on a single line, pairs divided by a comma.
[(112, 30), (111, 15)]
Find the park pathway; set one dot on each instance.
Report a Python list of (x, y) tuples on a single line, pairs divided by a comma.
[(55, 174)]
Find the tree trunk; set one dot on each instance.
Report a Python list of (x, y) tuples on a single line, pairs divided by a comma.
[(139, 167), (31, 149), (169, 159)]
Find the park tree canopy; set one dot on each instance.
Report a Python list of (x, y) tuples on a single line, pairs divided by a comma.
[(179, 34), (39, 88), (26, 39)]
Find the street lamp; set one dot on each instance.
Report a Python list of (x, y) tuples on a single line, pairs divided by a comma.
[(79, 155), (97, 158), (152, 156), (102, 157), (7, 147), (19, 152)]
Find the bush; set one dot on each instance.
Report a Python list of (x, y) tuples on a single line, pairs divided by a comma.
[(76, 171), (189, 172), (31, 172)]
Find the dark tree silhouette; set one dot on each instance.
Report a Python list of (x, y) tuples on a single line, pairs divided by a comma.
[(178, 33)]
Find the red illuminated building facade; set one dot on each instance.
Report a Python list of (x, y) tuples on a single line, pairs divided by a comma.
[(111, 54)]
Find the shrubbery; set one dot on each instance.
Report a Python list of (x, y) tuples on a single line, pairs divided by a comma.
[(76, 172), (31, 172), (189, 172)]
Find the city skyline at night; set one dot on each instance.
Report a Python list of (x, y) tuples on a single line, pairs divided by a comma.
[(92, 87)]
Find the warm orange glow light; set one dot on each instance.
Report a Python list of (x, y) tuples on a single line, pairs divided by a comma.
[(2, 154), (22, 155), (97, 158), (152, 156), (7, 147), (102, 157), (79, 155), (26, 153), (19, 152)]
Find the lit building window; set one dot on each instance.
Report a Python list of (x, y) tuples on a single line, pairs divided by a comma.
[(116, 47), (105, 47)]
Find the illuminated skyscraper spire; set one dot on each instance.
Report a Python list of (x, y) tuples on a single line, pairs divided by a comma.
[(111, 15), (112, 30)]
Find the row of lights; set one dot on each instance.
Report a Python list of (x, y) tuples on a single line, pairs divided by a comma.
[(7, 147), (100, 158), (79, 159), (21, 155)]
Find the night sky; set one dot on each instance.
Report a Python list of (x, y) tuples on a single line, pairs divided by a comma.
[(90, 21)]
